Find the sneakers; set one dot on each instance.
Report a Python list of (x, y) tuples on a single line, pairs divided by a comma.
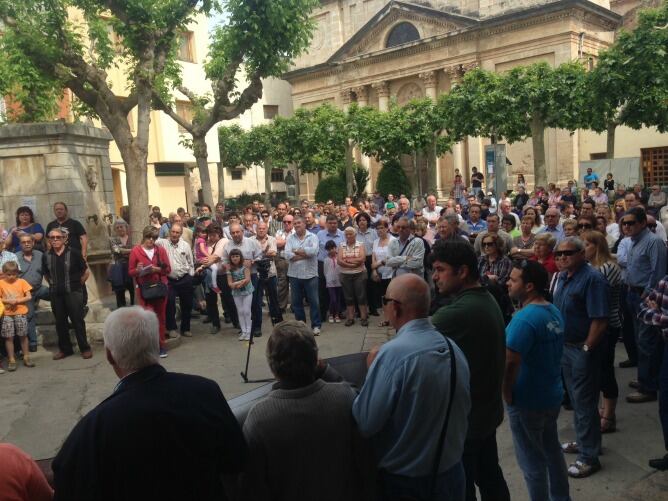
[(172, 334), (163, 353), (244, 337), (11, 366), (331, 319), (27, 362), (337, 320), (316, 331), (187, 334)]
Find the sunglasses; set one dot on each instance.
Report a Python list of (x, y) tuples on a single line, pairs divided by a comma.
[(567, 253), (389, 300), (55, 238), (629, 223), (585, 226)]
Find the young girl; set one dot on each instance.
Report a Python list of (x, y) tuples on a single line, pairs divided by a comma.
[(15, 294), (242, 291), (201, 252), (333, 282)]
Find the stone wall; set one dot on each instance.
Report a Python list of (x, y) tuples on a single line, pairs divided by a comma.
[(45, 163)]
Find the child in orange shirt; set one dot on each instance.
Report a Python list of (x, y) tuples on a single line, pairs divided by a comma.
[(15, 293)]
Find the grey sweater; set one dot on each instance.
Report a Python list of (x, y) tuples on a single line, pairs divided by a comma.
[(303, 445)]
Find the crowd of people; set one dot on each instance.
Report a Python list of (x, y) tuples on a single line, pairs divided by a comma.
[(519, 300)]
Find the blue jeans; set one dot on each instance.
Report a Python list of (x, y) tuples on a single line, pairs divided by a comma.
[(650, 348), (300, 288), (582, 374), (36, 294), (538, 452), (449, 486)]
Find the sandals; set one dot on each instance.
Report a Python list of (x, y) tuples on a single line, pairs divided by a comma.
[(364, 322), (570, 448), (349, 322), (608, 425), (582, 470), (384, 323)]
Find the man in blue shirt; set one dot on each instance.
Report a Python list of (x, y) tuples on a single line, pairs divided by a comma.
[(330, 232), (532, 386), (403, 403), (552, 224), (645, 266), (590, 178), (582, 298)]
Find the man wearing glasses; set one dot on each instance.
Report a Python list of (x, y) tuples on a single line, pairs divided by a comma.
[(645, 266), (582, 298), (396, 407), (30, 264), (552, 225), (66, 271)]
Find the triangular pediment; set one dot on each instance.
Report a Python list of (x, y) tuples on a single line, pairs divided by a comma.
[(373, 36)]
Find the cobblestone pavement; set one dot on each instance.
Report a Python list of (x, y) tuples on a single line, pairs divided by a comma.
[(39, 406)]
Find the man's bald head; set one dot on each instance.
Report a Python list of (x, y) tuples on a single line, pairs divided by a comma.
[(411, 293)]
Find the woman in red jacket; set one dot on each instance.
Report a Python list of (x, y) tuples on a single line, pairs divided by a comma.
[(149, 263)]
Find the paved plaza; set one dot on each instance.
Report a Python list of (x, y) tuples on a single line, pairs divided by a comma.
[(39, 406)]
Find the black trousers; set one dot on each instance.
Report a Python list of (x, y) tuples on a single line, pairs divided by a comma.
[(229, 308), (183, 289), (323, 295), (69, 305), (481, 464)]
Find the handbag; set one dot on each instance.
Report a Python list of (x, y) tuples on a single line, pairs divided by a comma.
[(153, 289), (115, 276)]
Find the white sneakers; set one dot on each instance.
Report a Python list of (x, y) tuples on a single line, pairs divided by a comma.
[(316, 331), (244, 337)]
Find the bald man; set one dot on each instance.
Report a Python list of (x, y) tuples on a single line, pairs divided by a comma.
[(407, 394)]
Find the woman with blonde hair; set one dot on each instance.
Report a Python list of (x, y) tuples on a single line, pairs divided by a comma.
[(598, 255), (611, 227)]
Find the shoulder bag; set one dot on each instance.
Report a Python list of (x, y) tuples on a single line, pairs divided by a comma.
[(153, 289)]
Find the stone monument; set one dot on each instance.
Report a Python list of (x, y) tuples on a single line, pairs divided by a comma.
[(44, 163)]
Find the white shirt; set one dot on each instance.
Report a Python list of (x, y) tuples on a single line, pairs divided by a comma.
[(432, 215)]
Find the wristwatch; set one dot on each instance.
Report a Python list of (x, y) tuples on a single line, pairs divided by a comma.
[(585, 348)]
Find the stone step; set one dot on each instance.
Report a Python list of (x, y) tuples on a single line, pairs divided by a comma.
[(97, 314), (47, 336)]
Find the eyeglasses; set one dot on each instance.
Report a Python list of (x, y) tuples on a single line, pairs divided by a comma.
[(567, 253), (488, 244), (389, 300), (287, 222), (55, 238), (585, 226), (629, 223)]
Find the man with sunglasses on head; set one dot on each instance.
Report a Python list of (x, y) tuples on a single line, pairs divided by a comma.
[(645, 266), (582, 298)]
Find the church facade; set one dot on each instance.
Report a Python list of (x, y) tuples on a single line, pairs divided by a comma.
[(372, 51)]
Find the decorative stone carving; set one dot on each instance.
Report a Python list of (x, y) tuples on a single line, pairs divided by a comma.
[(91, 177), (346, 96), (362, 93), (429, 78), (381, 88), (457, 71), (408, 92)]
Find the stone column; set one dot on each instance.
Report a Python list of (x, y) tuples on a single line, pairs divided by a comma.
[(383, 91), (430, 81), (346, 98), (455, 73), (362, 94)]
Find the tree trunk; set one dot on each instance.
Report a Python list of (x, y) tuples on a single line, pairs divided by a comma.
[(202, 156), (432, 165), (416, 171), (349, 169), (268, 167), (538, 140), (221, 182), (610, 146)]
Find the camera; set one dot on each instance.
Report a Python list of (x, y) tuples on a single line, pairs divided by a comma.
[(263, 267)]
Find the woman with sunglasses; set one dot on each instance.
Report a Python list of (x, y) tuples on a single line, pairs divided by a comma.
[(542, 252), (586, 223), (494, 267), (597, 253), (149, 263)]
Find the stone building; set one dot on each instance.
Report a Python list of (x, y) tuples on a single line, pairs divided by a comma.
[(371, 51)]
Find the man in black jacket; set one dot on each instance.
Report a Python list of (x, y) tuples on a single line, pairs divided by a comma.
[(160, 435)]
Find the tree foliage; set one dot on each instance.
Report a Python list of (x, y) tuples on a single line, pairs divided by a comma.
[(392, 179)]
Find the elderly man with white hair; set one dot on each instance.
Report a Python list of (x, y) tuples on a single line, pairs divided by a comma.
[(160, 435)]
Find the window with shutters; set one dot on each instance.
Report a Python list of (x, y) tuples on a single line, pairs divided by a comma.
[(655, 165)]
